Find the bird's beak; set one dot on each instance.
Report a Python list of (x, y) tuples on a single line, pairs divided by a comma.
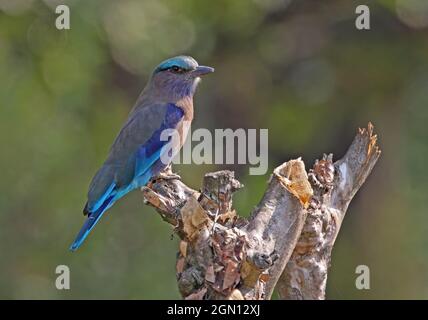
[(201, 70)]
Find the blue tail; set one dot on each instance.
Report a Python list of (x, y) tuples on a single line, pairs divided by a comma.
[(112, 195), (90, 223)]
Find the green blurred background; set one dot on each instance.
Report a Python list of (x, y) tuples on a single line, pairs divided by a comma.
[(299, 68)]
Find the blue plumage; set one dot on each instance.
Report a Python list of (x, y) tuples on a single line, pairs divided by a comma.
[(141, 168), (136, 155), (90, 223)]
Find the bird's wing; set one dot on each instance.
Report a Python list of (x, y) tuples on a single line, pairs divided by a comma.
[(135, 149)]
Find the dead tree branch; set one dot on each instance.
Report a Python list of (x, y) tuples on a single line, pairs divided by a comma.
[(335, 184), (287, 241)]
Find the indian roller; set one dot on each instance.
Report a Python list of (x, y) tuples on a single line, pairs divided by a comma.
[(137, 154)]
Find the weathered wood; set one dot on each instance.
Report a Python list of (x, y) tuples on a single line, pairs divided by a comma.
[(287, 241), (335, 184)]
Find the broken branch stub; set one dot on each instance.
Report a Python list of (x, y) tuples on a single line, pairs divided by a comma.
[(334, 184), (277, 221)]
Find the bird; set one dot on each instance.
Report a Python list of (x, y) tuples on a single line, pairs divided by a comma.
[(138, 154)]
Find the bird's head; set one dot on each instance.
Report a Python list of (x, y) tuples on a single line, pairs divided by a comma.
[(178, 77)]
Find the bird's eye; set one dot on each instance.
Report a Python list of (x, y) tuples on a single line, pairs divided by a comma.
[(177, 69)]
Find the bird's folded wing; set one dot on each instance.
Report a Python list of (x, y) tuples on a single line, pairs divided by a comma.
[(136, 148)]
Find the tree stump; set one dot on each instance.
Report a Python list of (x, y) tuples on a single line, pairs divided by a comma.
[(288, 239)]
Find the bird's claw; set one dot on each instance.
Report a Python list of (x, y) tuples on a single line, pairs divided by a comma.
[(167, 176)]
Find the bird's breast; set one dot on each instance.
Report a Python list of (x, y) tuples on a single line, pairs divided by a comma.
[(183, 126), (186, 104)]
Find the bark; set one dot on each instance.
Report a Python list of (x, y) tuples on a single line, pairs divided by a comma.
[(287, 241)]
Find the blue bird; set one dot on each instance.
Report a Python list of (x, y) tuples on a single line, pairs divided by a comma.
[(138, 152)]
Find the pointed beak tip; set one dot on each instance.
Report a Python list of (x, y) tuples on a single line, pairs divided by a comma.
[(202, 70)]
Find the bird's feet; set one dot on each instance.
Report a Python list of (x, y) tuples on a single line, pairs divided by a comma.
[(167, 174)]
